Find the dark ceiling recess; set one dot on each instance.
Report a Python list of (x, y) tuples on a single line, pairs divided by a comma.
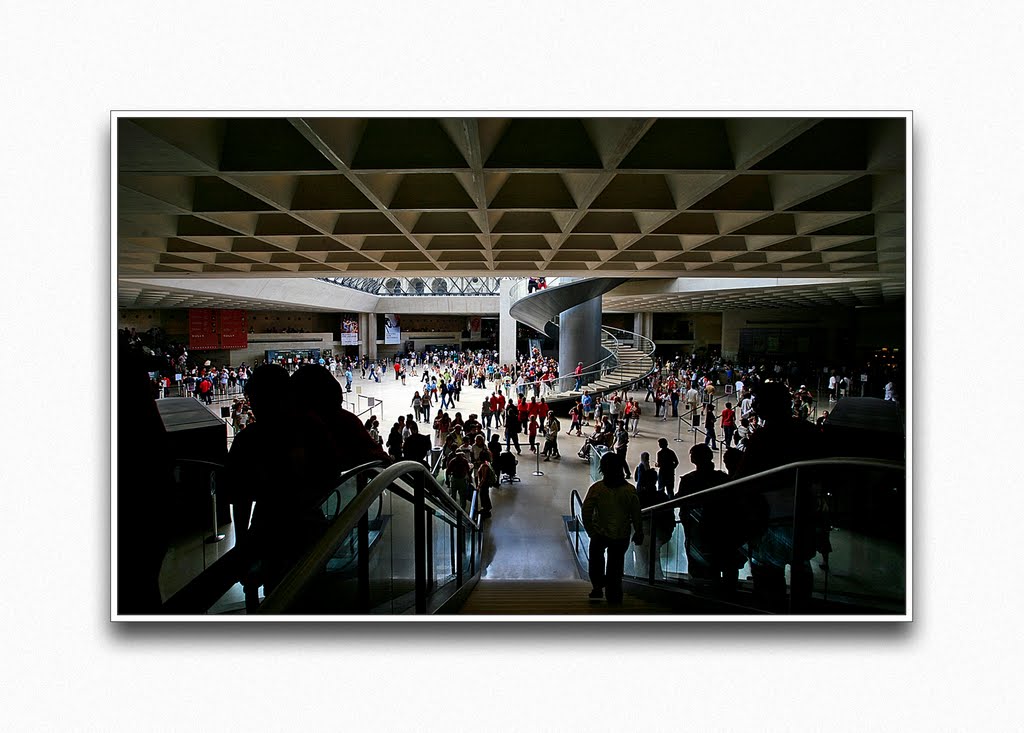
[(432, 196), (215, 194), (853, 196), (682, 144), (544, 143), (268, 145), (328, 193), (833, 144), (401, 144)]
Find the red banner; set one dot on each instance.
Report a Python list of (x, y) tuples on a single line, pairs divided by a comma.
[(234, 329), (210, 329)]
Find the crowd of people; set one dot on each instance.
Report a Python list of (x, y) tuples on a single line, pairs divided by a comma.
[(725, 531), (291, 430)]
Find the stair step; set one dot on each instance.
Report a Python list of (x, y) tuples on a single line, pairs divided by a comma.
[(547, 598)]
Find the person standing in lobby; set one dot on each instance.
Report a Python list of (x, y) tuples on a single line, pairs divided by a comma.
[(666, 461), (610, 509), (728, 423)]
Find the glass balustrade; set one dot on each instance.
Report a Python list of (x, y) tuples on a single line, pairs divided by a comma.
[(817, 537), (402, 545)]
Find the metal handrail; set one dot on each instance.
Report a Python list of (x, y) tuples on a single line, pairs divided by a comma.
[(199, 590), (574, 499), (699, 496), (346, 476), (599, 368), (288, 590), (647, 354), (748, 483)]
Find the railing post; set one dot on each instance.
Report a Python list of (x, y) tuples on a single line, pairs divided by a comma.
[(460, 547), (792, 564), (652, 551), (215, 536), (363, 548), (420, 539)]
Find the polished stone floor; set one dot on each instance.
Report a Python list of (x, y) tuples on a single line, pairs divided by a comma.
[(526, 534)]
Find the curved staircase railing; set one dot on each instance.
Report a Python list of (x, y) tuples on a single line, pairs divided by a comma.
[(628, 356)]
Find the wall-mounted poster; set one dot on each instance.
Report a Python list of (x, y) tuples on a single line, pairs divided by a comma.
[(349, 330), (392, 329), (474, 327)]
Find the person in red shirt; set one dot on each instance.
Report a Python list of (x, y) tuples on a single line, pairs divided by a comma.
[(524, 412), (495, 410), (398, 369), (543, 408), (533, 433), (533, 408), (501, 408), (728, 423)]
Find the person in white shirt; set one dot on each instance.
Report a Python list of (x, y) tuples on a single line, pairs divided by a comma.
[(833, 383), (747, 407), (890, 391), (692, 398)]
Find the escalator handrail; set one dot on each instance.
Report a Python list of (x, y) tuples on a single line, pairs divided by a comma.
[(577, 520), (574, 499), (176, 604), (293, 583), (699, 496), (346, 476)]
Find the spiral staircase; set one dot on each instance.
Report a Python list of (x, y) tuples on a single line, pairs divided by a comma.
[(627, 357)]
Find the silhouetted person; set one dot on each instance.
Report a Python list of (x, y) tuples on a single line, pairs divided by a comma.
[(732, 458), (666, 462), (610, 508), (458, 475), (512, 426), (712, 526), (278, 472), (648, 494), (643, 467), (494, 445), (394, 442), (780, 439), (144, 485), (319, 395), (704, 475), (416, 446)]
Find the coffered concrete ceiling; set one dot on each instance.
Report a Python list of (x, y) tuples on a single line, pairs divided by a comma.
[(782, 197)]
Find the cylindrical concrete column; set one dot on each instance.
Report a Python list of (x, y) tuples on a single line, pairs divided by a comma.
[(506, 323), (579, 336)]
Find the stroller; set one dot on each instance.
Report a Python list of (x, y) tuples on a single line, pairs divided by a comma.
[(604, 439), (506, 465)]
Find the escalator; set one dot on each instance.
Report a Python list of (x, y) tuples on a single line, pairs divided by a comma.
[(394, 542), (823, 537)]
